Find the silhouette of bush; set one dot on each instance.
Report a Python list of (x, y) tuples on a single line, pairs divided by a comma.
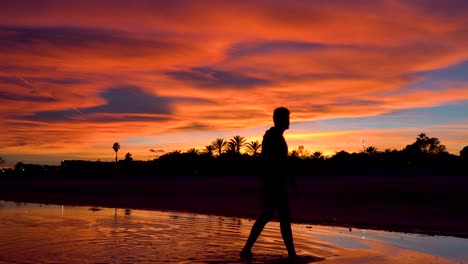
[(464, 153), (426, 156)]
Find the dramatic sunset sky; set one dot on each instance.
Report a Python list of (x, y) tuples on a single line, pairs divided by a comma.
[(77, 76)]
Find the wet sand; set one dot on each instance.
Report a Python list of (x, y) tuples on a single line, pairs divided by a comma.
[(35, 233), (428, 205)]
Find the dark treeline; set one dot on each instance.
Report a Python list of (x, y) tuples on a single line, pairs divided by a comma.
[(426, 156)]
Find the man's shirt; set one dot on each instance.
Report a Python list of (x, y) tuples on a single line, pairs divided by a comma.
[(274, 162)]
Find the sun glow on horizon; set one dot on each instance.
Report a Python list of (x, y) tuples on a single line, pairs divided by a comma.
[(161, 76)]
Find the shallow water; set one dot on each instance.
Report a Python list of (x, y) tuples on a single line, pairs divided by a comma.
[(35, 233)]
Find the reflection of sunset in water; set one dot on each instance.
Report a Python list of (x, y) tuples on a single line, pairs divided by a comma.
[(31, 233)]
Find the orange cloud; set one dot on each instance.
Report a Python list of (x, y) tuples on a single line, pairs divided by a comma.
[(217, 67)]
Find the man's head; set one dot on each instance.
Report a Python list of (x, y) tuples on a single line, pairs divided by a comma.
[(281, 118)]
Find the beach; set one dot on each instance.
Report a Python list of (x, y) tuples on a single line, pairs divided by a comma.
[(38, 233), (427, 205)]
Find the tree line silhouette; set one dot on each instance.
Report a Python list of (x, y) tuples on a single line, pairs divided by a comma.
[(237, 157)]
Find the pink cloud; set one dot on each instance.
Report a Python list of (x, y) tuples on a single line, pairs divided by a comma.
[(229, 64)]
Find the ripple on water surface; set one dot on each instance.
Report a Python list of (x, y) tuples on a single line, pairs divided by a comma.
[(34, 233)]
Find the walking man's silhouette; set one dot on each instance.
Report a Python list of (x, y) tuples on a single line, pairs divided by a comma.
[(275, 180)]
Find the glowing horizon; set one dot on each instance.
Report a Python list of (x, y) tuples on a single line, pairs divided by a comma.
[(77, 77)]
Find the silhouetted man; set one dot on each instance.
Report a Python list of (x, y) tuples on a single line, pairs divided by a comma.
[(275, 181)]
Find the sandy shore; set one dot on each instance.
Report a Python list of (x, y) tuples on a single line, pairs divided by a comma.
[(34, 233), (429, 205)]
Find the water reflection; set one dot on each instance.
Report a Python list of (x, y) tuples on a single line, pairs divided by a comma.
[(32, 233)]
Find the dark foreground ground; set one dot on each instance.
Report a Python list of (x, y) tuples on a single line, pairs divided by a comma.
[(429, 205)]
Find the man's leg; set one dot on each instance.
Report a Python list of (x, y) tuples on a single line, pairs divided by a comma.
[(265, 216), (285, 225)]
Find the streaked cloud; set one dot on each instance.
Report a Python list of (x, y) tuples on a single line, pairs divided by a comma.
[(90, 72), (210, 78)]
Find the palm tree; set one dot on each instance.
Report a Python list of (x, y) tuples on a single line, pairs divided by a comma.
[(209, 150), (254, 147), (237, 143), (116, 148), (219, 144), (3, 161), (231, 147), (317, 155), (371, 150), (192, 151)]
